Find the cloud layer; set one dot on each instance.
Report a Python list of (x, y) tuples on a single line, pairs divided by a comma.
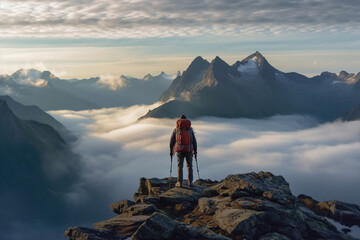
[(164, 18), (319, 160)]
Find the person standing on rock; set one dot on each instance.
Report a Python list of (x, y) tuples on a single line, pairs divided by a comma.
[(183, 142)]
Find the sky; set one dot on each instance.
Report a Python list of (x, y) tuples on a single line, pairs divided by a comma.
[(78, 38)]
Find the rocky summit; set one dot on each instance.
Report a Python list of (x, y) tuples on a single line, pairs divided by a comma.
[(241, 206)]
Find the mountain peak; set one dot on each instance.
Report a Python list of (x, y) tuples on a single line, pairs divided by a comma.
[(198, 61), (47, 75), (147, 77), (218, 59), (256, 56), (3, 106), (197, 64), (255, 62), (5, 112), (218, 63)]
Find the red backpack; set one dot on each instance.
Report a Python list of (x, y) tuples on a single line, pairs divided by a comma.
[(183, 136)]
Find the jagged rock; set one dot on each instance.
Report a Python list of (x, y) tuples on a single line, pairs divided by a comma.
[(206, 182), (309, 202), (153, 186), (215, 190), (274, 236), (240, 222), (207, 205), (274, 188), (242, 206), (121, 226), (189, 232), (345, 213), (148, 199), (183, 207), (139, 209), (83, 233), (121, 206), (178, 195), (158, 226)]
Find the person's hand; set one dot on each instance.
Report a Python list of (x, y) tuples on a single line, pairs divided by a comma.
[(195, 154)]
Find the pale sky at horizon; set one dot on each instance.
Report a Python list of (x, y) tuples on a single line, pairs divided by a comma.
[(81, 39)]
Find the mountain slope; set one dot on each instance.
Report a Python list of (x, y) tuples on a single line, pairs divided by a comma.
[(189, 78), (36, 168), (352, 115), (254, 88), (36, 114)]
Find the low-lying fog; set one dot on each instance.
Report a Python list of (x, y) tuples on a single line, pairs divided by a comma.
[(321, 160)]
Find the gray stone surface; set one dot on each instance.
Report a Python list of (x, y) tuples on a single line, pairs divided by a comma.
[(345, 213), (242, 206), (82, 233), (121, 226), (157, 226), (121, 206)]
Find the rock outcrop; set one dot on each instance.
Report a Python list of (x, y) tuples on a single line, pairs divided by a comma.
[(242, 206), (346, 213)]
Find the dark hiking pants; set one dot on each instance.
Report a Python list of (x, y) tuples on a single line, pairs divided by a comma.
[(180, 160)]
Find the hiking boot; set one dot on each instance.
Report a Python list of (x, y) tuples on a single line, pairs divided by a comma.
[(178, 184), (190, 184)]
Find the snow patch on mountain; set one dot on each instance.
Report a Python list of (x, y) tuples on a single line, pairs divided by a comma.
[(168, 76), (39, 83), (354, 230), (250, 66), (336, 82)]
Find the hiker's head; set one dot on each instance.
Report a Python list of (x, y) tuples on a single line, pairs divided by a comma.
[(182, 117)]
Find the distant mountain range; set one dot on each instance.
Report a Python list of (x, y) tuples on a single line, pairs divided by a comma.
[(250, 88), (49, 92), (254, 88)]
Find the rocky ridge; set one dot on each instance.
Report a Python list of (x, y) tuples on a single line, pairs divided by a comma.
[(241, 206)]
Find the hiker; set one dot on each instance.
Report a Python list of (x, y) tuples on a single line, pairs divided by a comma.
[(183, 141)]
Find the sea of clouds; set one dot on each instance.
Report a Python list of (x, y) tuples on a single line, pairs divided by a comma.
[(321, 160)]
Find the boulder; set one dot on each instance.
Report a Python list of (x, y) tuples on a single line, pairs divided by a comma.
[(157, 226), (178, 195), (154, 186), (256, 184), (121, 206), (121, 226), (240, 222), (215, 190), (140, 209), (345, 213), (274, 236), (83, 233), (189, 232)]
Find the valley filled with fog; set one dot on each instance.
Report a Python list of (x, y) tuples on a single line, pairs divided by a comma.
[(116, 149)]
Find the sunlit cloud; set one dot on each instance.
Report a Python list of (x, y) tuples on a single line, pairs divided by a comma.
[(112, 82), (117, 150)]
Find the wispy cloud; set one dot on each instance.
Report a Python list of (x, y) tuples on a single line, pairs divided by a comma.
[(164, 18)]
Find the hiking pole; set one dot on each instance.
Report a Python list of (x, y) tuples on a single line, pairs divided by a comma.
[(197, 166), (170, 170)]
